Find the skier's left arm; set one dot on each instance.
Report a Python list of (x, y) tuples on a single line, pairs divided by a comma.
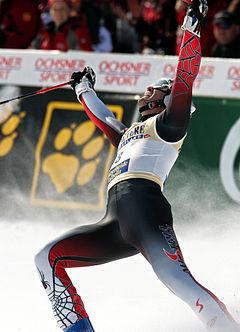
[(83, 84), (178, 111)]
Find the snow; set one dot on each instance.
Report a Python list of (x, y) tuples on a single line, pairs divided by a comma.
[(122, 296)]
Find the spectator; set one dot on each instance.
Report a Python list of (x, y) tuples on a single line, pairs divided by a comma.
[(63, 32), (127, 13), (93, 15), (158, 26), (19, 22), (227, 34), (105, 39), (100, 36), (208, 40)]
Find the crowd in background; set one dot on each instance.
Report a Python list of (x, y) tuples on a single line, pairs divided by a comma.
[(125, 26)]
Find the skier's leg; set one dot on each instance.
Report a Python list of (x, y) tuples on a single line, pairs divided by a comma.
[(84, 246), (169, 265), (148, 226)]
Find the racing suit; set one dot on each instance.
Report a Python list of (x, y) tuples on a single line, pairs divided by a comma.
[(138, 217)]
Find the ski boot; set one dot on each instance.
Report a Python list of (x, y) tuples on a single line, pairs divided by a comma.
[(83, 325)]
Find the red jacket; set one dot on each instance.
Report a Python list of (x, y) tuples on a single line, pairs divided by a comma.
[(72, 35), (20, 21)]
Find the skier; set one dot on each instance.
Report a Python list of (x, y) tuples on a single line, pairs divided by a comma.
[(138, 217)]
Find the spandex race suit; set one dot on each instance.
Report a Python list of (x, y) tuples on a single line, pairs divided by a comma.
[(138, 217)]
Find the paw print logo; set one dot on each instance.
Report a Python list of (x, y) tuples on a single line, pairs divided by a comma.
[(9, 133), (10, 118), (72, 159), (64, 169)]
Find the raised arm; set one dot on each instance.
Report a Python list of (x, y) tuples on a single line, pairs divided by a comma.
[(179, 106), (83, 84)]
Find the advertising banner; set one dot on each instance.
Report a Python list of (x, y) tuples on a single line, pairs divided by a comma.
[(120, 73)]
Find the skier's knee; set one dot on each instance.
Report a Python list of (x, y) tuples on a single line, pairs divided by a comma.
[(41, 257)]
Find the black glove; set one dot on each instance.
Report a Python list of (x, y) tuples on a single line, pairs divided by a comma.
[(83, 81), (197, 10), (87, 73)]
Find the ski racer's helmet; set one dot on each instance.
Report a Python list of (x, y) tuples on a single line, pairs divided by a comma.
[(164, 85)]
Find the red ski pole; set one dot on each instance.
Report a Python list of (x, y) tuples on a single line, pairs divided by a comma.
[(30, 94)]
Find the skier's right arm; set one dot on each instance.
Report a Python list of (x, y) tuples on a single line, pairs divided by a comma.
[(83, 84)]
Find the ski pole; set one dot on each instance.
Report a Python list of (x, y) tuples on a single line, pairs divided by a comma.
[(30, 94)]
